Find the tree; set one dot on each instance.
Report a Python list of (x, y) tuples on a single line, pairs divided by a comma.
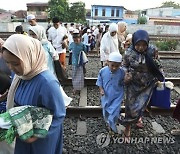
[(59, 8), (77, 12), (142, 20), (171, 4)]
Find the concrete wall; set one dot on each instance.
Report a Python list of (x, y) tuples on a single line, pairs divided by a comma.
[(10, 27), (151, 29), (155, 29)]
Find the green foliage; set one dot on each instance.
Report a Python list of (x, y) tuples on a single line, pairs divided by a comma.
[(74, 13), (142, 20), (171, 4), (78, 12), (168, 45), (59, 8)]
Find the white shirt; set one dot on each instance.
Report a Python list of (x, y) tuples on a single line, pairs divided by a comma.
[(85, 38), (108, 45), (70, 38), (56, 36)]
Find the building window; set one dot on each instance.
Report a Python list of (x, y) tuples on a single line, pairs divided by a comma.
[(112, 13), (103, 12), (117, 13), (96, 12)]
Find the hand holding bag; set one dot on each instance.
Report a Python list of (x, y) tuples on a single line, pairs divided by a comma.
[(161, 97)]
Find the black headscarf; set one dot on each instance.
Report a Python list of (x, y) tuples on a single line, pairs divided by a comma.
[(142, 35), (139, 35)]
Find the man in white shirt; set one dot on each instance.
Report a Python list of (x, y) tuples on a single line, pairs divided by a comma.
[(85, 39), (32, 22), (57, 35)]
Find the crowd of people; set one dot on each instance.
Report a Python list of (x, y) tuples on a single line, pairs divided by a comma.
[(130, 70)]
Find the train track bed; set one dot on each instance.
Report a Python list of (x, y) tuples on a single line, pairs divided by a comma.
[(87, 142), (171, 67), (93, 96)]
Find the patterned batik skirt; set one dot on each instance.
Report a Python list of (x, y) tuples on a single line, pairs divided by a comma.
[(77, 77)]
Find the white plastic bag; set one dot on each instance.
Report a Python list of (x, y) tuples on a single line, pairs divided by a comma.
[(67, 100)]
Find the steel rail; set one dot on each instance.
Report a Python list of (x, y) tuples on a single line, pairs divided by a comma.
[(92, 81), (169, 55), (162, 54), (96, 111)]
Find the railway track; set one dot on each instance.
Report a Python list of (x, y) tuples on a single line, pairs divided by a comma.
[(169, 54), (164, 37), (92, 81), (96, 111), (162, 54)]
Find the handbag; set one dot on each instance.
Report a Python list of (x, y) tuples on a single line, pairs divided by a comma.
[(60, 72), (161, 97), (82, 59)]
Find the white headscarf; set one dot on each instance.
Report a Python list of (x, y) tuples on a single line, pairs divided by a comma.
[(121, 35), (32, 55), (113, 27), (39, 33), (109, 43)]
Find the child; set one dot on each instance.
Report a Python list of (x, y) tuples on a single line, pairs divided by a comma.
[(77, 69), (111, 85)]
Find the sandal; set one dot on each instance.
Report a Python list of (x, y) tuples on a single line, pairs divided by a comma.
[(139, 124), (175, 132)]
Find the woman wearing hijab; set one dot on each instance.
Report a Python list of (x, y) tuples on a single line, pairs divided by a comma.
[(50, 52), (122, 26), (51, 55), (140, 62), (109, 43), (34, 85)]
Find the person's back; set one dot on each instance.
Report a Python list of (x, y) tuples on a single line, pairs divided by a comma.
[(50, 52)]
